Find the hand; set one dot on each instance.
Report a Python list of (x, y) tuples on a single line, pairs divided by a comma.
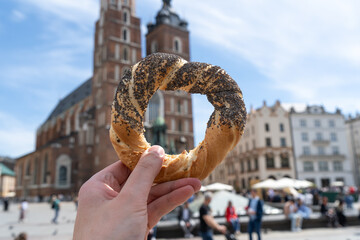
[(117, 203), (222, 229)]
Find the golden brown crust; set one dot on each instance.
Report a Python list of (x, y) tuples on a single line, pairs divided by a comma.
[(170, 72)]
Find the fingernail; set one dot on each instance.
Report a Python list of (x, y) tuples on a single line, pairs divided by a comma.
[(157, 150)]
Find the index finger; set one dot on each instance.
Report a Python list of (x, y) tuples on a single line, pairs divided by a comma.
[(142, 177)]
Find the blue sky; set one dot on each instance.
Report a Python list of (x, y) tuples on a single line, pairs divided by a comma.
[(302, 51)]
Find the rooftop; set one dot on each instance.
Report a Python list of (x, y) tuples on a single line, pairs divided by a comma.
[(80, 93)]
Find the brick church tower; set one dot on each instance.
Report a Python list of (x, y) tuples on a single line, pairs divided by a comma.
[(169, 34), (117, 47)]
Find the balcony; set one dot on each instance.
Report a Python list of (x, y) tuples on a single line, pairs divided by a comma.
[(331, 157), (321, 142)]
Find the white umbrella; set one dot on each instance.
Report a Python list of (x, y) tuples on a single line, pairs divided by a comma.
[(291, 183), (219, 187), (303, 184), (268, 183)]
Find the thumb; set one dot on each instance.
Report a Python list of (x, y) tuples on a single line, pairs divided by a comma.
[(142, 177)]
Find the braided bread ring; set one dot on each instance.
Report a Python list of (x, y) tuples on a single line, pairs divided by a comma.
[(170, 72)]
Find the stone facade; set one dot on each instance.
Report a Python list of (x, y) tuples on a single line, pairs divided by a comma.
[(320, 146), (353, 136), (73, 143), (264, 151)]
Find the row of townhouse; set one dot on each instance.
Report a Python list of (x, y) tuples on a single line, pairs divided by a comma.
[(297, 141)]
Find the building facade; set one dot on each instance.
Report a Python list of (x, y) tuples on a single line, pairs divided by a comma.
[(264, 151), (73, 143), (320, 146), (353, 136)]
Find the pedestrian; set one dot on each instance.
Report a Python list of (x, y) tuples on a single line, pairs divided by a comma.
[(232, 218), (255, 212), (340, 213), (207, 221), (349, 199), (6, 204), (290, 211), (56, 207), (23, 208), (328, 213), (119, 203), (186, 223)]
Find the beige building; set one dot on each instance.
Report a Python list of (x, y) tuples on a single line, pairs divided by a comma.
[(264, 151), (7, 181)]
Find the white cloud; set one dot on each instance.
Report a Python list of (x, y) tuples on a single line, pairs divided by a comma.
[(310, 49), (80, 12), (17, 16)]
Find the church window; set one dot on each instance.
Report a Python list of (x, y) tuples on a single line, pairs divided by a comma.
[(125, 35), (154, 47), (62, 175), (133, 56), (177, 45), (173, 124), (45, 167), (186, 107), (36, 165), (117, 73), (179, 106), (180, 126), (100, 38), (126, 18), (28, 168), (126, 54), (117, 51), (154, 108), (186, 126)]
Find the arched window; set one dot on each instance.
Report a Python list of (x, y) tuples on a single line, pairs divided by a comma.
[(126, 18), (126, 54), (62, 175), (28, 168), (177, 45), (63, 172), (126, 2), (154, 47), (45, 167), (125, 35), (154, 107), (36, 165)]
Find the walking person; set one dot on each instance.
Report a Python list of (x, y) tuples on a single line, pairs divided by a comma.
[(340, 213), (232, 218), (23, 208), (255, 212), (6, 204), (56, 207), (207, 221), (186, 223)]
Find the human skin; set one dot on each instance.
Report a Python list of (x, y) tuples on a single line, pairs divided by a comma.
[(119, 204)]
